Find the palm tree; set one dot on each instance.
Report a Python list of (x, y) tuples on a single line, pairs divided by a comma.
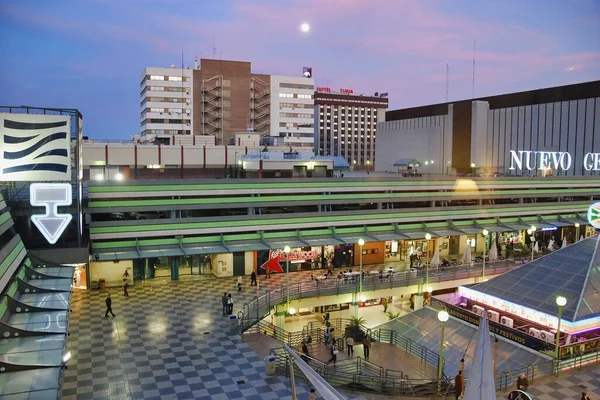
[(392, 316)]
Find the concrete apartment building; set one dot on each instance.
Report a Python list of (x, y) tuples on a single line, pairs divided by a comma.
[(346, 125), (166, 102), (225, 98)]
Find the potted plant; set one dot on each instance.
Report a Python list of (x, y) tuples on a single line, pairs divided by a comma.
[(353, 329)]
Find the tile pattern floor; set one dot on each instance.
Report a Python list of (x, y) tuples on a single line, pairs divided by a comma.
[(169, 340)]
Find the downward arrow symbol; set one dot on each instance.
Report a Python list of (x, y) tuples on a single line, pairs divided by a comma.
[(51, 195)]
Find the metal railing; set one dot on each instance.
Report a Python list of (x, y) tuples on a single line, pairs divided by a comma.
[(258, 308), (363, 376)]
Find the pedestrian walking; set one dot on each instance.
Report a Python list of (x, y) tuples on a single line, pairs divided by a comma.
[(109, 307), (385, 304), (305, 353), (584, 396), (459, 384), (239, 283), (125, 286), (229, 304), (312, 395), (253, 279), (224, 301), (350, 345), (522, 382), (366, 346), (333, 351)]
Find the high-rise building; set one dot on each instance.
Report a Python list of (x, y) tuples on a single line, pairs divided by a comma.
[(221, 98), (346, 124), (166, 102), (292, 111)]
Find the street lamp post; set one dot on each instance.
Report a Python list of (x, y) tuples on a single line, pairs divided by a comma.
[(561, 302), (368, 165), (427, 238), (473, 168), (576, 232), (360, 279), (531, 231), (485, 233), (287, 274), (443, 317)]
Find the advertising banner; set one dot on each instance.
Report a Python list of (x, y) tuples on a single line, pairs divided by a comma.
[(35, 147)]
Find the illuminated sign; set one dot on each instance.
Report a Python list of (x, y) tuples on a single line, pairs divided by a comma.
[(556, 160), (35, 147), (323, 89), (307, 72), (51, 196), (594, 215)]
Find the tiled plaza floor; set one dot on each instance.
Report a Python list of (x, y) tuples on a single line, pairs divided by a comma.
[(169, 340)]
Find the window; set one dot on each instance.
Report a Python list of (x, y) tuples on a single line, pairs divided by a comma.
[(295, 86), (157, 78), (175, 78)]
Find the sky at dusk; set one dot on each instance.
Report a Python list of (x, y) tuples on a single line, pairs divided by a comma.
[(89, 54)]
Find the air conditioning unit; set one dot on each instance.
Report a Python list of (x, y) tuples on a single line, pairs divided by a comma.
[(507, 321), (478, 310), (535, 332), (548, 336), (493, 316)]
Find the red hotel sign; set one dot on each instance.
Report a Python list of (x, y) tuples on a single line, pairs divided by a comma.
[(328, 90)]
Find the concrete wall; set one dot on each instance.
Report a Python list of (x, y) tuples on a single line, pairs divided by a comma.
[(424, 139), (222, 265), (111, 272)]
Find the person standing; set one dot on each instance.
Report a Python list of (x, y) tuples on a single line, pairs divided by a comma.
[(366, 346), (584, 396), (125, 286), (522, 382), (253, 278), (305, 353), (350, 345), (239, 283), (333, 351), (224, 301), (385, 304), (229, 304), (109, 307), (312, 395), (459, 384)]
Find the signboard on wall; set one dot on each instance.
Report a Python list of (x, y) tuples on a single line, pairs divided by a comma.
[(35, 147), (594, 215), (553, 160)]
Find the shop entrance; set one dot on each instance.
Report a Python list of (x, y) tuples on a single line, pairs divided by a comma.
[(239, 267)]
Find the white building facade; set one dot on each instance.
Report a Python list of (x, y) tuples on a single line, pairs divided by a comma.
[(346, 125), (544, 132), (165, 102), (292, 111)]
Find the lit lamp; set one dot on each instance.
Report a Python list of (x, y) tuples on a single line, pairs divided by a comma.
[(561, 302), (531, 231), (361, 243), (473, 167), (485, 233), (287, 275), (443, 317), (311, 165), (368, 165), (427, 238), (576, 231)]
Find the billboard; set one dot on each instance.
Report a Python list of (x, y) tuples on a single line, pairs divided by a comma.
[(35, 147), (307, 72)]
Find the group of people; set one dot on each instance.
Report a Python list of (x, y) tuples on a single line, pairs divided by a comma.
[(227, 303)]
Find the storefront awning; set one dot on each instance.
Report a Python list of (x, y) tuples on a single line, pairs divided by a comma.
[(447, 232), (383, 237), (280, 244), (152, 253), (515, 226), (496, 228), (324, 240), (251, 245), (419, 235)]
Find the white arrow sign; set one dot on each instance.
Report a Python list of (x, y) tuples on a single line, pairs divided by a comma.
[(51, 195)]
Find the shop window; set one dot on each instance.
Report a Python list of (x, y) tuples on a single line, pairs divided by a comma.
[(368, 252)]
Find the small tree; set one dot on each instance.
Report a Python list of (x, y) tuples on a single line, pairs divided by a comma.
[(354, 329), (392, 316)]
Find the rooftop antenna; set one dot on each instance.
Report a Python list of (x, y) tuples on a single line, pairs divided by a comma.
[(214, 50), (447, 80), (473, 93)]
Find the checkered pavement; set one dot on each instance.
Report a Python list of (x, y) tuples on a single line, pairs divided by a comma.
[(168, 340)]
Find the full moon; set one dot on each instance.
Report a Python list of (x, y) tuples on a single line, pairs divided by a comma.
[(305, 27)]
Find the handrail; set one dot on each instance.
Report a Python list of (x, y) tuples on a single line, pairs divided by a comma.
[(258, 308)]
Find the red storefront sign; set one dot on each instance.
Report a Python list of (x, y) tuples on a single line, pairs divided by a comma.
[(323, 89)]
